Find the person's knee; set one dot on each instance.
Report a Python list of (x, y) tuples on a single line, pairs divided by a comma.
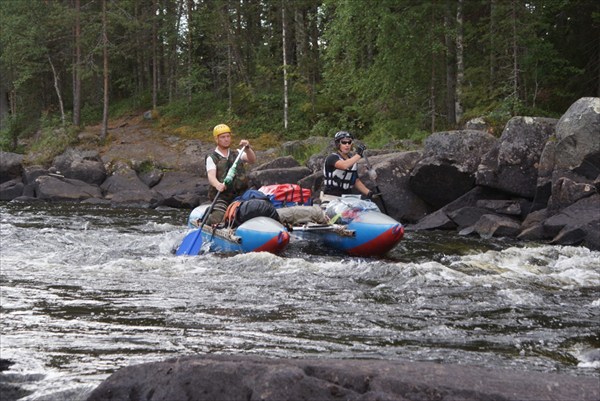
[(215, 217)]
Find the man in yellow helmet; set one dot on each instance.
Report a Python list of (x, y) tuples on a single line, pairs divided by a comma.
[(217, 166)]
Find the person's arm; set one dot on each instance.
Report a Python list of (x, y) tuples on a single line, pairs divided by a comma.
[(212, 180), (211, 174), (361, 187), (348, 163), (249, 156)]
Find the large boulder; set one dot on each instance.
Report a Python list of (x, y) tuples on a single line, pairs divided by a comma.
[(573, 154), (512, 165), (11, 166), (578, 138), (258, 178), (124, 179), (393, 173), (232, 378), (577, 224), (144, 198), (53, 188), (466, 209), (280, 162), (82, 165), (12, 189), (182, 189), (449, 163)]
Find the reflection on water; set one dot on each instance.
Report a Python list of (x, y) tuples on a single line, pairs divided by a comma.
[(86, 290)]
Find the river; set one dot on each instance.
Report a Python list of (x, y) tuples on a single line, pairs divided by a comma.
[(86, 290)]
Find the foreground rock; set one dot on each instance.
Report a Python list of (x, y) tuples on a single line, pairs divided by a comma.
[(221, 377)]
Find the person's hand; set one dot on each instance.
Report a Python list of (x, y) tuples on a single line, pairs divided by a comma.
[(371, 195), (221, 187), (360, 148), (245, 142)]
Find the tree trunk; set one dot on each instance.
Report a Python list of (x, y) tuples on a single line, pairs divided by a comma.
[(285, 78), (450, 66), (104, 131), (460, 68), (77, 67), (432, 84), (190, 50), (154, 56), (515, 67), (493, 67), (57, 89), (3, 104)]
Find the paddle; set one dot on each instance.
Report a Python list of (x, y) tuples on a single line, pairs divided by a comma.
[(192, 243), (373, 176)]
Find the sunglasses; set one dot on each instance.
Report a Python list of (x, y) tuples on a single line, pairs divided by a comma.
[(346, 142)]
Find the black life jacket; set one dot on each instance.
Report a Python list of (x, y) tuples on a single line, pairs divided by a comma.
[(240, 181), (338, 182)]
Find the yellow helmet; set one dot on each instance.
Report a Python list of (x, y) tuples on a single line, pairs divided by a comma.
[(221, 129)]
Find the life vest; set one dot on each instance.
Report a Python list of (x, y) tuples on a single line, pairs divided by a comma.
[(240, 181), (338, 182)]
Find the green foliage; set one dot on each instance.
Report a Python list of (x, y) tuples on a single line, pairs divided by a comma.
[(15, 127), (52, 141), (379, 69)]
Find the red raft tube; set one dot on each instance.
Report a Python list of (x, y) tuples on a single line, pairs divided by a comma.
[(260, 234), (369, 234)]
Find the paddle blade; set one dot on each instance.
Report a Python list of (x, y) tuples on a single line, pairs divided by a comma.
[(191, 244)]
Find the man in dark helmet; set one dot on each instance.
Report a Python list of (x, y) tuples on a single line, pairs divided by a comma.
[(340, 171)]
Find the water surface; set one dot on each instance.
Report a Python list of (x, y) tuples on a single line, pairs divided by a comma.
[(86, 290)]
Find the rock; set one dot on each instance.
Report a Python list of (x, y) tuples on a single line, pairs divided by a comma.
[(576, 224), (182, 189), (279, 163), (258, 178), (314, 182), (566, 191), (509, 207), (393, 176), (437, 220), (125, 179), (81, 165), (491, 225), (511, 166), (12, 189), (478, 124), (223, 377), (467, 216), (543, 189), (11, 166), (145, 198), (152, 177), (306, 146), (578, 145), (30, 173), (448, 167), (65, 189), (441, 220)]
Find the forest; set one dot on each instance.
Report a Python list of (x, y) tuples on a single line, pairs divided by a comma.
[(385, 70)]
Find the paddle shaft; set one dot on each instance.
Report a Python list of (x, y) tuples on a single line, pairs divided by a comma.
[(376, 186)]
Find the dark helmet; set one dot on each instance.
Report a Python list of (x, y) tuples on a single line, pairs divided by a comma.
[(342, 135)]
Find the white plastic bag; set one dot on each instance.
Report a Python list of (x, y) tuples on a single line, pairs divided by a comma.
[(345, 209)]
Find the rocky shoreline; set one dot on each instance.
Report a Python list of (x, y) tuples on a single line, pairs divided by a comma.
[(540, 181)]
